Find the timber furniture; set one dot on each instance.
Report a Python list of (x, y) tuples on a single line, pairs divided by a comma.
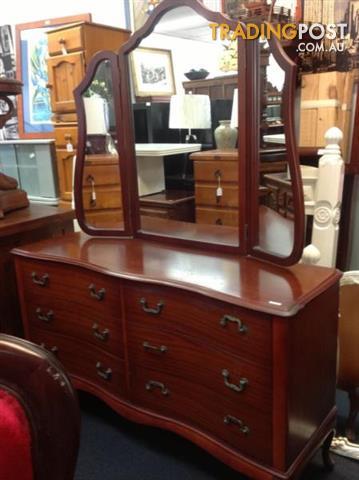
[(18, 228), (210, 331), (70, 50)]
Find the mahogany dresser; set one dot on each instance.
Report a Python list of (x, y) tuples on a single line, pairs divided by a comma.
[(70, 50), (18, 228), (235, 354)]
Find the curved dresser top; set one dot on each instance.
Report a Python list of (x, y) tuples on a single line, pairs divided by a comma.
[(242, 281)]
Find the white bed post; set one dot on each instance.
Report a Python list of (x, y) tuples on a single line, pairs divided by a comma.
[(329, 190)]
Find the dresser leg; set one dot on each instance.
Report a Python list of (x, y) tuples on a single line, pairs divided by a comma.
[(354, 408), (327, 459)]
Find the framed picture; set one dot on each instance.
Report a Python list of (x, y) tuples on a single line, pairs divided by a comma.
[(152, 72), (34, 106), (280, 10)]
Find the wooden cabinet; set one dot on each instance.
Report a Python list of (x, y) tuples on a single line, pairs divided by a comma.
[(18, 228), (218, 349), (214, 169), (216, 88), (70, 50)]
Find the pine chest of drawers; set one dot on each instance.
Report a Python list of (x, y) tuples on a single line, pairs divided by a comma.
[(221, 350)]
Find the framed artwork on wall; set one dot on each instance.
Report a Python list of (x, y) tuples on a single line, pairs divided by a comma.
[(280, 10), (7, 69), (34, 106), (152, 71)]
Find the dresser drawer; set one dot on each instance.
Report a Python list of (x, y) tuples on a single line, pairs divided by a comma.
[(217, 216), (77, 320), (234, 329), (209, 171), (70, 40), (206, 195), (201, 407), (106, 197), (66, 134), (44, 281), (230, 376), (103, 174), (84, 361)]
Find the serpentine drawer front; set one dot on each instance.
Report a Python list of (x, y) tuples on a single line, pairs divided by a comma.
[(236, 329), (187, 356)]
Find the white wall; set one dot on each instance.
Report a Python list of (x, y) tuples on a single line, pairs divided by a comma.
[(108, 12)]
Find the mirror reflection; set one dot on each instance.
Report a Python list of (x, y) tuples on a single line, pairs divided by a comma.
[(184, 103), (101, 181), (276, 213)]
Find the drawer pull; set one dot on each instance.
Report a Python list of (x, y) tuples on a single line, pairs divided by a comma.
[(53, 349), (153, 311), (153, 384), (42, 281), (228, 419), (243, 382), (219, 221), (105, 373), (45, 317), (103, 336), (161, 349), (228, 318), (99, 295)]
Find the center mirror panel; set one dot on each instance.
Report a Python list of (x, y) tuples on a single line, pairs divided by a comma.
[(184, 88)]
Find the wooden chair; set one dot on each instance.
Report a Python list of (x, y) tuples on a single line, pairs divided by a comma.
[(348, 369), (39, 407)]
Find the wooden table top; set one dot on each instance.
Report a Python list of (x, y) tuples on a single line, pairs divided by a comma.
[(241, 281), (34, 216)]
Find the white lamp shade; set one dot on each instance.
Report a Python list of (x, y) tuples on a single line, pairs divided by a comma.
[(234, 116), (190, 111), (96, 115)]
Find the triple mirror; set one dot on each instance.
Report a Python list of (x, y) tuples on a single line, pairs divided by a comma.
[(187, 121)]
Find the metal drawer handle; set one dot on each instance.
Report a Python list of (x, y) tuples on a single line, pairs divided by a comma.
[(228, 318), (161, 349), (53, 349), (153, 311), (42, 281), (103, 336), (152, 384), (243, 382), (45, 317), (99, 295), (105, 373), (228, 419)]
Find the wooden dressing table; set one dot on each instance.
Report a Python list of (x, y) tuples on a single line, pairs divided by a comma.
[(188, 326)]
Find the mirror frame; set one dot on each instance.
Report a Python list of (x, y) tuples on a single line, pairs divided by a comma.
[(128, 134), (288, 110), (95, 62)]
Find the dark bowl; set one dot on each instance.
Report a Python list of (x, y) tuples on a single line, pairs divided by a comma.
[(196, 74)]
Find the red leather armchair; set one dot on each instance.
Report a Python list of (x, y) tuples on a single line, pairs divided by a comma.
[(39, 414)]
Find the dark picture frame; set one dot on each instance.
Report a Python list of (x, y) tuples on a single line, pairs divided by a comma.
[(34, 107)]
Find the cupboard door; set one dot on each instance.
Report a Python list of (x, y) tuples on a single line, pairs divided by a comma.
[(65, 73), (64, 169)]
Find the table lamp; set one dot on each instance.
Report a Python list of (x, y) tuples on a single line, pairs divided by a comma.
[(190, 111)]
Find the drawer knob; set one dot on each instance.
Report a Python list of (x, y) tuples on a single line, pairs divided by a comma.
[(41, 281), (45, 317), (229, 318), (219, 221), (103, 336), (229, 419), (160, 349), (153, 311), (152, 384), (243, 382), (105, 373), (53, 349), (99, 295)]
